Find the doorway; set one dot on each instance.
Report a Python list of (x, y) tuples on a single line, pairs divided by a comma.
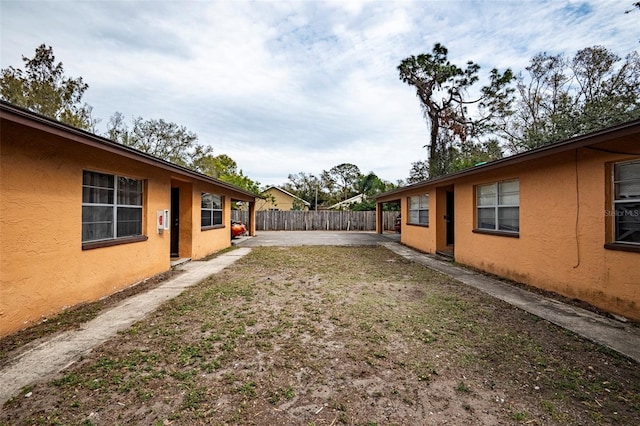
[(449, 218), (175, 222)]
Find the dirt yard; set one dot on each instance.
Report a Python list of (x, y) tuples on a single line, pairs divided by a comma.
[(337, 336)]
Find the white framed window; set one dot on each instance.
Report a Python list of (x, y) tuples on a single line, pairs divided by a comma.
[(626, 202), (498, 206), (211, 210), (111, 206), (419, 210)]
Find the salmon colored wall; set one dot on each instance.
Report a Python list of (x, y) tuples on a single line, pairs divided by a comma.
[(422, 238), (43, 269), (553, 251), (208, 241)]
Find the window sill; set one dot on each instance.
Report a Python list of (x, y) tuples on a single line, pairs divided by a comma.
[(424, 225), (208, 228), (115, 242), (623, 247), (497, 233)]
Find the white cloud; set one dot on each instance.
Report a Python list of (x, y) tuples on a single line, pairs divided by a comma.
[(290, 86)]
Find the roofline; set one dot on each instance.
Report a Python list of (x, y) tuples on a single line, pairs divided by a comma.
[(306, 203), (29, 118), (621, 130), (347, 201)]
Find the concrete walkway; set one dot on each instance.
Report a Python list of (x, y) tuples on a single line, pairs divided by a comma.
[(47, 358), (620, 337), (53, 355)]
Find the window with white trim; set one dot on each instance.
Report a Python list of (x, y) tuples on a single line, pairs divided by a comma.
[(419, 210), (111, 206), (211, 210), (626, 202), (498, 206)]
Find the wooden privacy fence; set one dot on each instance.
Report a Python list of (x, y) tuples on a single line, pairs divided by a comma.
[(323, 220)]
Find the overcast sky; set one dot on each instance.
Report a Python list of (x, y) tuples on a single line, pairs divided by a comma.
[(295, 86)]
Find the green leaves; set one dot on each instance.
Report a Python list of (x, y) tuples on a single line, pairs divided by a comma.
[(43, 88), (443, 89), (177, 144)]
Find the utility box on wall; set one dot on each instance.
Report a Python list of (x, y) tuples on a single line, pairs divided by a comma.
[(162, 220)]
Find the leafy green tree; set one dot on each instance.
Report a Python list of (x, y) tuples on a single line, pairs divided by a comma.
[(178, 145), (459, 158), (216, 166), (43, 88), (345, 176), (308, 187), (470, 155), (370, 185), (419, 171), (442, 88), (241, 181), (297, 204), (226, 169)]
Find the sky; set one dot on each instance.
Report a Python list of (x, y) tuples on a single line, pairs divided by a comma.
[(284, 87)]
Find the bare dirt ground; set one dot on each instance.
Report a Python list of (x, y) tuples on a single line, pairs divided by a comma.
[(337, 335)]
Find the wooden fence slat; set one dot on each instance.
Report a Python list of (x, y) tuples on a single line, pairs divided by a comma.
[(276, 220)]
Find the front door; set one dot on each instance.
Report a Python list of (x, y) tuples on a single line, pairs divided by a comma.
[(175, 222), (449, 219)]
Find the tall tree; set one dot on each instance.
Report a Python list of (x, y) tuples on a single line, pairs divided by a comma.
[(43, 88), (176, 144), (419, 171), (224, 168), (560, 98), (607, 94), (345, 176), (442, 88), (308, 187), (370, 185), (216, 166), (166, 140), (470, 155), (458, 157)]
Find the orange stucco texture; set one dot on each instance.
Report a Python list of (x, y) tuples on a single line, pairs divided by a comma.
[(43, 267), (563, 229)]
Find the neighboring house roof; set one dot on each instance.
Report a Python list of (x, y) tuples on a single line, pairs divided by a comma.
[(349, 201), (25, 117), (306, 203), (629, 130)]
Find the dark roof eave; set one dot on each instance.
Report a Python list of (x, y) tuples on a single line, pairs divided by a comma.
[(31, 119), (625, 129)]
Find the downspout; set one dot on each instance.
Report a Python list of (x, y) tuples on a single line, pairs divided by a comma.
[(577, 212)]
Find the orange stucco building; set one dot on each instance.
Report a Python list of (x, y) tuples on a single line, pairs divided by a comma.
[(82, 217), (563, 218)]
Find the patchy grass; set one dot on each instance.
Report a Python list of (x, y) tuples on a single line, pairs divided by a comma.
[(337, 335), (73, 318)]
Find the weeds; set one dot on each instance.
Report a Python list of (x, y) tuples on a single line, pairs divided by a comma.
[(342, 329)]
